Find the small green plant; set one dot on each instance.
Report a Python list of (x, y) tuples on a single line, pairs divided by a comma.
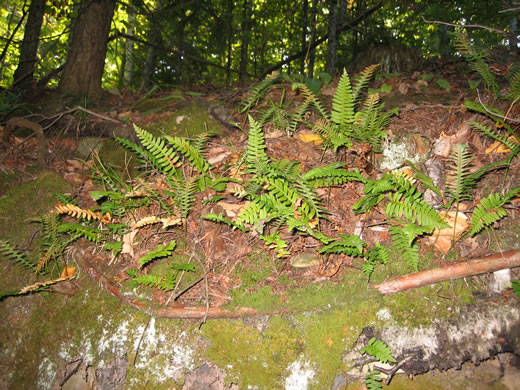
[(382, 353), (516, 287), (347, 122)]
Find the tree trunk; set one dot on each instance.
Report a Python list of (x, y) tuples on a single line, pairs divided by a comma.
[(312, 49), (129, 47), (332, 37), (86, 59), (305, 18), (246, 28), (155, 40), (229, 17)]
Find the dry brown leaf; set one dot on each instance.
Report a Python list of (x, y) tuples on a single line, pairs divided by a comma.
[(68, 272), (443, 239), (310, 137)]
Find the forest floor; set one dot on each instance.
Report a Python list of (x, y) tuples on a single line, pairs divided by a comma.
[(234, 274)]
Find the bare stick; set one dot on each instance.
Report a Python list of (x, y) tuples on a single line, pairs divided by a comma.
[(481, 265), (466, 26)]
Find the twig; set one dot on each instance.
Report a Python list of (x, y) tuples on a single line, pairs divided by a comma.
[(141, 340), (494, 113), (392, 371), (466, 25), (189, 287)]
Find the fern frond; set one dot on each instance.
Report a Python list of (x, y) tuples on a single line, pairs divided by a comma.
[(39, 285), (493, 134), (491, 210), (379, 350), (349, 245), (77, 230), (258, 91), (514, 86), (415, 210), (78, 212), (165, 159), (404, 242), (256, 158), (161, 250), (332, 174), (274, 241), (9, 251), (343, 103), (143, 155), (183, 146), (425, 180), (476, 61), (362, 81), (457, 172), (373, 380), (221, 219), (379, 254)]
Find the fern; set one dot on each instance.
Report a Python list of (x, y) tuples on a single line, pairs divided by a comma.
[(379, 254), (415, 210), (458, 165), (373, 381), (194, 156), (507, 142), (343, 103), (404, 241), (160, 250), (310, 101), (258, 91), (379, 350), (514, 86), (515, 284), (475, 59), (9, 251), (165, 159), (256, 158), (491, 210), (349, 245), (77, 230), (330, 175)]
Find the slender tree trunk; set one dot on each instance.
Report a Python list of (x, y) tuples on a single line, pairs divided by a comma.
[(312, 48), (246, 29), (305, 17), (155, 40), (129, 47), (332, 46), (86, 59), (229, 61)]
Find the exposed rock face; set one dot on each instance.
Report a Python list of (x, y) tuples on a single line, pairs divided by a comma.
[(478, 333)]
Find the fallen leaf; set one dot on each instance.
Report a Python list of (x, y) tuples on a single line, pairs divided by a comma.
[(68, 272), (310, 137), (443, 239), (498, 147)]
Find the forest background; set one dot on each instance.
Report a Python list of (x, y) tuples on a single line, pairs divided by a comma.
[(80, 47)]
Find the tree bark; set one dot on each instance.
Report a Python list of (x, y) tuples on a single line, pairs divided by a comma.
[(246, 31), (509, 259), (128, 75), (311, 50), (332, 46), (86, 60), (305, 19)]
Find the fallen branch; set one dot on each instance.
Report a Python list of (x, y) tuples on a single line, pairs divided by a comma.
[(481, 265)]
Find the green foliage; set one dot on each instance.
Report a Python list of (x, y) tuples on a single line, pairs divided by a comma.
[(379, 254), (10, 252), (516, 287), (349, 245), (161, 250), (379, 350), (459, 183), (310, 101), (258, 91), (366, 125), (166, 282), (373, 380), (475, 58), (491, 210), (256, 159)]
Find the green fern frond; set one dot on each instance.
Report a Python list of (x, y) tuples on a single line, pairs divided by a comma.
[(515, 284), (166, 160), (186, 196), (77, 230), (9, 251), (349, 245), (183, 146), (362, 81), (491, 210), (143, 155), (379, 350), (415, 210), (161, 250), (373, 380), (256, 158), (457, 172), (404, 242), (221, 219), (332, 174), (475, 58), (274, 241), (343, 103), (425, 180), (514, 86), (258, 91), (147, 280), (493, 134), (379, 254)]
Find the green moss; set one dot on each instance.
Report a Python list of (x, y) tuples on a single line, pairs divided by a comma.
[(253, 358), (189, 121), (28, 200)]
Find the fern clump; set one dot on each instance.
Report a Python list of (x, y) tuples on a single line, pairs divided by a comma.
[(348, 121)]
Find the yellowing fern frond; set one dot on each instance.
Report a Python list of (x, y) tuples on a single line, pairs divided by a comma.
[(39, 285), (78, 212), (152, 219)]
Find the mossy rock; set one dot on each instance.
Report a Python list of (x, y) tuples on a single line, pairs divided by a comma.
[(30, 199), (189, 121)]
